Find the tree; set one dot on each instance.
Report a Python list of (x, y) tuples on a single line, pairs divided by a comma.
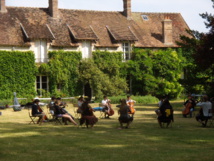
[(101, 83), (156, 72), (201, 47)]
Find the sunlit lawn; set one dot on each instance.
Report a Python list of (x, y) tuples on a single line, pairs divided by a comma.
[(186, 140)]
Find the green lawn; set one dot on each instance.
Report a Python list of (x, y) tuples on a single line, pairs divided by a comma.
[(186, 140)]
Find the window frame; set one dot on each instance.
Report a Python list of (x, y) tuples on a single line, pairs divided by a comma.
[(126, 46), (41, 84), (41, 51)]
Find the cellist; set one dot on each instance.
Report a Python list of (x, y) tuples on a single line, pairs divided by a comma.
[(131, 103), (107, 107), (189, 106), (36, 112)]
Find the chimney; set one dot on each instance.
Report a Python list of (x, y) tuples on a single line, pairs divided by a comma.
[(167, 31), (53, 8), (127, 9), (2, 6)]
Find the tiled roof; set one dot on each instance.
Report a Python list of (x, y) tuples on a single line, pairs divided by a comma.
[(21, 24)]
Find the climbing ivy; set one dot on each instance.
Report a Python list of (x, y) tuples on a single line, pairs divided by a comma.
[(17, 74), (63, 72)]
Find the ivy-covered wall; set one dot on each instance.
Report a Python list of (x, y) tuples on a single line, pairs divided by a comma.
[(155, 72), (17, 74), (63, 72)]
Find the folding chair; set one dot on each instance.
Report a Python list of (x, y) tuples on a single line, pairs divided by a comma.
[(57, 120), (31, 116), (101, 111), (210, 119)]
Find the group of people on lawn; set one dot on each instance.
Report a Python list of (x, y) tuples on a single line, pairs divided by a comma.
[(164, 112), (205, 111), (57, 108)]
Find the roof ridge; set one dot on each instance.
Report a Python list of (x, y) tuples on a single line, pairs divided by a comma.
[(88, 10), (159, 12), (62, 9), (26, 7)]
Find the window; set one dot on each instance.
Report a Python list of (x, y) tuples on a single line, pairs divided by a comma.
[(41, 84), (41, 51), (126, 51), (86, 49), (145, 17)]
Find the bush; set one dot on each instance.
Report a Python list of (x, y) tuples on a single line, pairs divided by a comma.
[(139, 99)]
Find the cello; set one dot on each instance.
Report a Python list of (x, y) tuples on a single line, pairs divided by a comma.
[(40, 110), (110, 110), (187, 108), (131, 108)]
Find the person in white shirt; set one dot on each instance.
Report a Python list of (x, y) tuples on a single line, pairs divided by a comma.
[(106, 106), (205, 111), (131, 103), (128, 100)]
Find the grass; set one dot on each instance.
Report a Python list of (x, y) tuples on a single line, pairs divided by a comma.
[(186, 140)]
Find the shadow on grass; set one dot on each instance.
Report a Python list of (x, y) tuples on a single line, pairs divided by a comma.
[(145, 139)]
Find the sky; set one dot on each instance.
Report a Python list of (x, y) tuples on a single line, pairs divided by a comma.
[(189, 9)]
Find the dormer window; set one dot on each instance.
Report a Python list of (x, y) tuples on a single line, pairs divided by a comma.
[(86, 49), (40, 50), (145, 17)]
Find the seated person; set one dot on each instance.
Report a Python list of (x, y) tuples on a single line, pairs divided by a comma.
[(124, 114), (87, 115), (59, 113), (189, 106), (157, 111), (165, 113), (79, 103), (106, 106), (51, 105), (204, 112), (36, 111), (131, 103), (62, 106)]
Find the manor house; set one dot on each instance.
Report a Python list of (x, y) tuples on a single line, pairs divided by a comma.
[(47, 29)]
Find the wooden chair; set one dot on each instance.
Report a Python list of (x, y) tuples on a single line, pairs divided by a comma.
[(31, 116)]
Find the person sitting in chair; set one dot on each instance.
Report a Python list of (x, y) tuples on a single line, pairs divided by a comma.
[(166, 114), (189, 106), (107, 107), (88, 116), (124, 114), (205, 111), (59, 113), (51, 105), (79, 103), (36, 111)]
